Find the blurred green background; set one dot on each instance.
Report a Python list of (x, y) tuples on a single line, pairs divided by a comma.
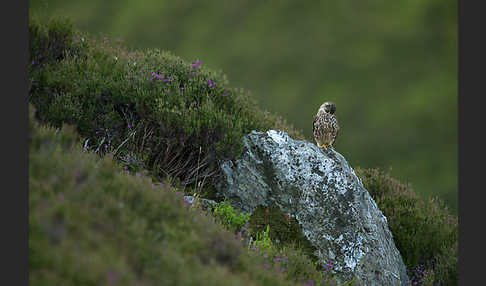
[(390, 67)]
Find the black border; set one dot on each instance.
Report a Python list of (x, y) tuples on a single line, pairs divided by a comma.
[(471, 127), (14, 144)]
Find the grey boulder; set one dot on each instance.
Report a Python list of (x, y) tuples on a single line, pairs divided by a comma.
[(321, 191)]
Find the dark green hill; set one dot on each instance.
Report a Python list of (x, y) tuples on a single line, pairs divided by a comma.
[(168, 121), (390, 67)]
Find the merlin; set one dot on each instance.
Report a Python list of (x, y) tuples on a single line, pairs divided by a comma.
[(325, 126)]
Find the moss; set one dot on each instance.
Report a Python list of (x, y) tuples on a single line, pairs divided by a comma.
[(284, 229)]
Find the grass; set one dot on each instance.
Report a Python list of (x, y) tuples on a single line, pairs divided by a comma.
[(91, 223), (117, 137)]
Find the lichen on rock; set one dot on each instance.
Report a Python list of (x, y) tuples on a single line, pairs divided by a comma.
[(320, 191)]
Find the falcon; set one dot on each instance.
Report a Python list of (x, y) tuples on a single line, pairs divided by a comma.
[(325, 126)]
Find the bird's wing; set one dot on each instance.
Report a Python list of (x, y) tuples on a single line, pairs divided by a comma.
[(314, 125), (337, 128)]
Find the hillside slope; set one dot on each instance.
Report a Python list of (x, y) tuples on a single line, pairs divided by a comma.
[(169, 121)]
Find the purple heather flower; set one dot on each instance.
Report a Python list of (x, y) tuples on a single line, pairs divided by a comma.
[(129, 126), (266, 266), (106, 146), (224, 94), (33, 62), (310, 283)]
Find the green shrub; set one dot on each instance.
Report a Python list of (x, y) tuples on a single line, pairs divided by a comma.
[(91, 224), (424, 232), (229, 217), (180, 118), (53, 41), (290, 261), (152, 110), (284, 230)]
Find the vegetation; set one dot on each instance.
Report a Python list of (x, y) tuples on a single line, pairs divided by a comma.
[(229, 217), (284, 230), (91, 223), (390, 67), (103, 113), (424, 231), (174, 118)]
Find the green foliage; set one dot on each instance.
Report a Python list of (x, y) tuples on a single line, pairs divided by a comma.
[(395, 84), (91, 224), (290, 261), (284, 229), (229, 217), (53, 41), (424, 231), (172, 117), (262, 239)]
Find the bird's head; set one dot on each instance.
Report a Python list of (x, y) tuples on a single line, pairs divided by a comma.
[(329, 107)]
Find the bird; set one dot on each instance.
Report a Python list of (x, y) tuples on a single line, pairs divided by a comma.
[(325, 126)]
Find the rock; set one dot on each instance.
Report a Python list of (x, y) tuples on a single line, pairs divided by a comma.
[(322, 193), (205, 203)]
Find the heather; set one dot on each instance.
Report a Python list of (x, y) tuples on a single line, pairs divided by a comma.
[(391, 68), (117, 137), (172, 117), (91, 222)]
